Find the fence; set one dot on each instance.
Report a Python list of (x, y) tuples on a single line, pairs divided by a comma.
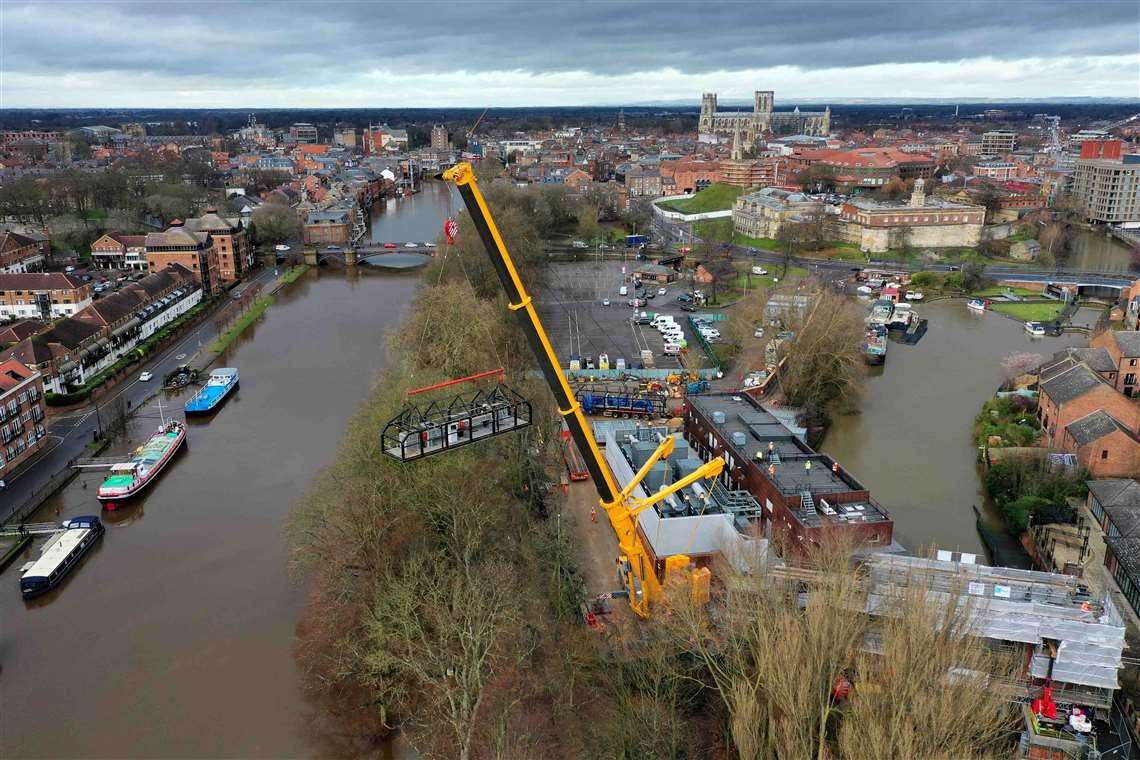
[(706, 373), (21, 511), (705, 345)]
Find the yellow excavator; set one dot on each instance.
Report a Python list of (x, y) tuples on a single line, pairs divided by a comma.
[(636, 564)]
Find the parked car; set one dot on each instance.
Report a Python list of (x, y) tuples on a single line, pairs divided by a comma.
[(332, 247), (661, 291), (605, 302), (785, 335), (145, 377), (759, 333), (281, 247), (685, 298), (759, 271), (69, 269), (623, 291), (688, 307), (642, 320)]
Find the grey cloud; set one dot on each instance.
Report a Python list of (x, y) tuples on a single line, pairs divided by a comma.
[(315, 42)]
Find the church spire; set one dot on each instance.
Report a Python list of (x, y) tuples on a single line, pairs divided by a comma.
[(737, 148)]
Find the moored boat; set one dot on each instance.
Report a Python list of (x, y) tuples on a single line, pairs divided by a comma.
[(875, 345), (60, 554), (217, 387), (128, 479)]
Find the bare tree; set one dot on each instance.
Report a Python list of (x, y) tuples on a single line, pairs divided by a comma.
[(789, 655), (825, 367), (448, 634)]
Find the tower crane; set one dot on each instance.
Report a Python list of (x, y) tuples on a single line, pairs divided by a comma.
[(636, 563)]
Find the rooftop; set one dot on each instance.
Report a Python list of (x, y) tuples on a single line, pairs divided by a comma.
[(795, 468), (1095, 426), (1071, 383)]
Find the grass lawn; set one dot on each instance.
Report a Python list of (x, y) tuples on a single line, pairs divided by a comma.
[(998, 290), (715, 197), (1030, 312)]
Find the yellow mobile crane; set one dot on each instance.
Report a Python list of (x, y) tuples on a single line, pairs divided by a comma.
[(635, 563)]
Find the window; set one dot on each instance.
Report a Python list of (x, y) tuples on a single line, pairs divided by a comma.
[(1104, 453), (1130, 378)]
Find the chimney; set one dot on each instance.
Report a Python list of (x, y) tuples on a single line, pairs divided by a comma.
[(212, 210), (176, 223)]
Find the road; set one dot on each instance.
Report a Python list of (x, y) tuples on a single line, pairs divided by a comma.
[(669, 233), (70, 432)]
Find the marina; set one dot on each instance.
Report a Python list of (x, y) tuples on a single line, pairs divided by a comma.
[(214, 392)]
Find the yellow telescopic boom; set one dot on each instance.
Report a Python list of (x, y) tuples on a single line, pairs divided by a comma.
[(635, 563)]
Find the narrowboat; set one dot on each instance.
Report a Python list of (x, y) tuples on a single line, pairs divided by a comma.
[(875, 345), (60, 554), (217, 387)]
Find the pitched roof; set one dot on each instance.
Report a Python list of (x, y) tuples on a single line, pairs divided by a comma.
[(176, 236), (12, 373), (1071, 383), (1128, 341), (28, 351), (39, 281), (1098, 359), (69, 333), (1095, 426), (1127, 551), (10, 241), (18, 331), (1114, 490)]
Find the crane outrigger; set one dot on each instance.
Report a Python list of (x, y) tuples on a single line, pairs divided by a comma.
[(636, 563)]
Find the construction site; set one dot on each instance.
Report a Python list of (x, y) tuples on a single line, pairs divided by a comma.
[(674, 492)]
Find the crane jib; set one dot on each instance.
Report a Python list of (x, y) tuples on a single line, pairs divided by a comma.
[(528, 319)]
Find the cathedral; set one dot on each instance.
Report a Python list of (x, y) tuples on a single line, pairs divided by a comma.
[(761, 119)]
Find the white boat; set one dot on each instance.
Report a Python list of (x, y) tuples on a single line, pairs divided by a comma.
[(863, 290), (60, 554), (914, 295), (1034, 328), (429, 245), (411, 245), (976, 304)]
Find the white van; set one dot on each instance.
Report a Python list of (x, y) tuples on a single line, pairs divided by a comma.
[(662, 319), (759, 270), (672, 349), (623, 291)]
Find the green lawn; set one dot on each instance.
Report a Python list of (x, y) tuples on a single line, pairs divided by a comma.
[(998, 290), (1030, 312), (716, 197)]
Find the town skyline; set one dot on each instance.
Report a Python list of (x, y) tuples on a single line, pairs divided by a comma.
[(628, 53)]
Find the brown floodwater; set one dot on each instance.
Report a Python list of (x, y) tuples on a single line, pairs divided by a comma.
[(174, 637), (911, 444)]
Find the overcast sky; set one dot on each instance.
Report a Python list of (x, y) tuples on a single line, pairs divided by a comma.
[(284, 53)]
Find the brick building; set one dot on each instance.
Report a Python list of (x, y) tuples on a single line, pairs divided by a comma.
[(42, 295), (116, 251), (327, 228), (762, 213), (806, 496), (1106, 183), (231, 243), (877, 226), (1123, 350), (20, 253), (190, 249), (1070, 391), (22, 410), (643, 183)]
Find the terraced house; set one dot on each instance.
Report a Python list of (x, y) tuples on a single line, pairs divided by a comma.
[(20, 253)]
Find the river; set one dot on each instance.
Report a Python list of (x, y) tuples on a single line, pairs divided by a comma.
[(911, 444), (174, 637), (1092, 250), (416, 219)]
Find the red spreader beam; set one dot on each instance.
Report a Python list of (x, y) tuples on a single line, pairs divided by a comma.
[(500, 371)]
